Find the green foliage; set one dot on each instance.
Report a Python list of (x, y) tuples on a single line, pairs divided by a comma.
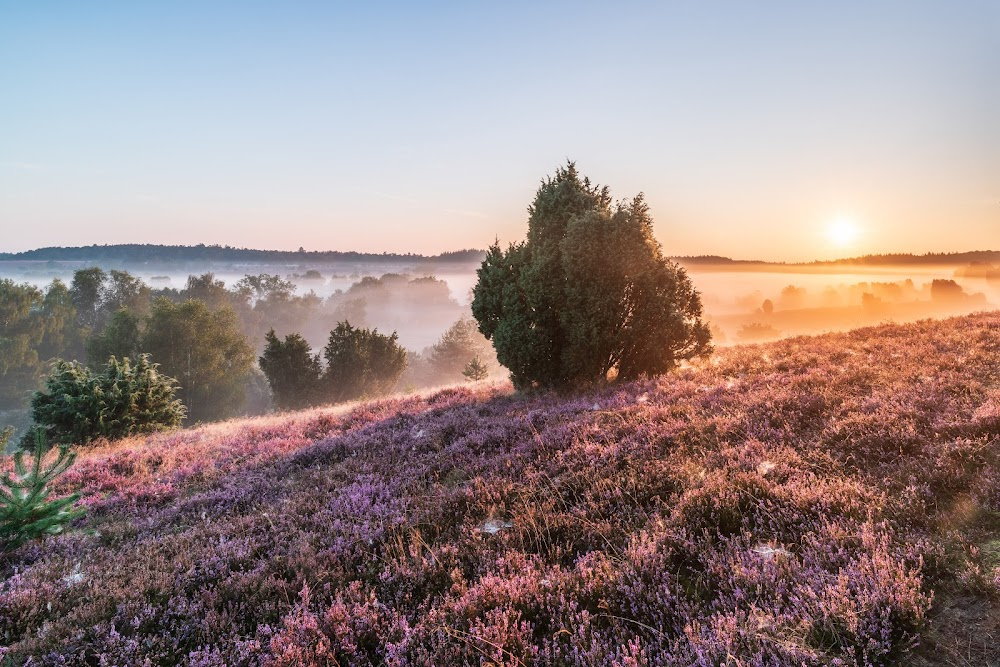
[(61, 337), (34, 327), (361, 363), (79, 405), (26, 513), (291, 369), (208, 289), (86, 290), (476, 370), (207, 353), (588, 292), (21, 331), (450, 356), (120, 338)]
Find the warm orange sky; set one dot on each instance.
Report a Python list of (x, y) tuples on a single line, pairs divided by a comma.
[(752, 130)]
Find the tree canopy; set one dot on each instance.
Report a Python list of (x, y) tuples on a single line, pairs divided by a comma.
[(587, 293)]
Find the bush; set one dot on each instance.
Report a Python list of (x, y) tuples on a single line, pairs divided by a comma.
[(79, 405), (754, 331), (26, 512), (588, 292)]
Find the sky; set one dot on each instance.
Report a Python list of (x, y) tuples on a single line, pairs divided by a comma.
[(780, 131)]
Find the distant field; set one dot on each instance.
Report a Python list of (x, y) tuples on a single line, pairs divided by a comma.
[(832, 500)]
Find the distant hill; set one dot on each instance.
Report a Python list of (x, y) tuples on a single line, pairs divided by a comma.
[(146, 253), (166, 254)]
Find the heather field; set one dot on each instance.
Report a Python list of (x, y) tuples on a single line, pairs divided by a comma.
[(831, 500)]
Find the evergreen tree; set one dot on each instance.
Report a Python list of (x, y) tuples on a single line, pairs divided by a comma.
[(292, 371), (476, 370), (26, 512), (462, 341), (589, 292), (361, 363)]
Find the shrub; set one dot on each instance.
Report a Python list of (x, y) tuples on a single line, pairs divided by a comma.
[(588, 292), (79, 405), (754, 331), (26, 512)]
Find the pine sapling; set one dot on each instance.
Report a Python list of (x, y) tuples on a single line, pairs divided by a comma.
[(476, 370), (26, 512)]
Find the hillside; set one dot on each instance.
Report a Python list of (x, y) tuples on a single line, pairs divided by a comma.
[(816, 501)]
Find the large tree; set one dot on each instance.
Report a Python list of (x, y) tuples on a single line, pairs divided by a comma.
[(22, 328), (589, 292), (205, 351)]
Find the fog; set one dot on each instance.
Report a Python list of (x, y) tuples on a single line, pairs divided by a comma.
[(745, 304), (420, 304)]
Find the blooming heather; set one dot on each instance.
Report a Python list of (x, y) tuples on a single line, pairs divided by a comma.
[(794, 503)]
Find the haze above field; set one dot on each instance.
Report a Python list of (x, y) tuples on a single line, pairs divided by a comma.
[(783, 132)]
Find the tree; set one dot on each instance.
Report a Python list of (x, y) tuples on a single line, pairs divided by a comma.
[(22, 328), (462, 342), (292, 371), (208, 289), (589, 292), (78, 405), (120, 338), (123, 290), (86, 291), (26, 512), (207, 353), (476, 370), (361, 362), (62, 337)]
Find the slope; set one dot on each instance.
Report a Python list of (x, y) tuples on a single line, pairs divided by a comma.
[(815, 501)]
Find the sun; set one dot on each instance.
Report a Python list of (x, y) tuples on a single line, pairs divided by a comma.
[(842, 231)]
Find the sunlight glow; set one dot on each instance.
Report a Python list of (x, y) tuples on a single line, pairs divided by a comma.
[(842, 231)]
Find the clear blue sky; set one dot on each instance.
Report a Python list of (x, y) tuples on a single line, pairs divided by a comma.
[(423, 127)]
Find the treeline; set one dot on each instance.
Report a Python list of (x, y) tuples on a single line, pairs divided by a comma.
[(208, 336), (160, 254), (930, 258)]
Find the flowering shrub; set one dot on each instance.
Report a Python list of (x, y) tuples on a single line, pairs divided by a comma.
[(793, 503)]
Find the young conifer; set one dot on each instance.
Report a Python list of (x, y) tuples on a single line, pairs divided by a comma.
[(26, 512)]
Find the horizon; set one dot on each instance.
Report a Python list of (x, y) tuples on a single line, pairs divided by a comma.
[(9, 255), (788, 133)]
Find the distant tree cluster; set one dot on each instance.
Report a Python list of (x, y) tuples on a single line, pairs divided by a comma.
[(360, 363), (588, 293)]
